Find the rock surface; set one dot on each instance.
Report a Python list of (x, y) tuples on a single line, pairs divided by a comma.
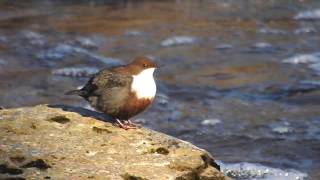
[(58, 142)]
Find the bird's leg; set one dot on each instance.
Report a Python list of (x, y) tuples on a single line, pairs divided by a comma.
[(124, 125)]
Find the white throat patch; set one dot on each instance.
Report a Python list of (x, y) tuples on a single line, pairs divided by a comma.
[(143, 84)]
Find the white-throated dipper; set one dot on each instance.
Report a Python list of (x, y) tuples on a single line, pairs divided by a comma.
[(122, 92)]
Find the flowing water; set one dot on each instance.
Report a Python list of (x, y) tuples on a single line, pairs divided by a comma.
[(240, 79)]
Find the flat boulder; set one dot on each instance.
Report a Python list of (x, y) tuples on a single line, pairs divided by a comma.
[(59, 142)]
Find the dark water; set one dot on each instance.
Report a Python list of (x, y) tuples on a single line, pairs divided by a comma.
[(240, 78)]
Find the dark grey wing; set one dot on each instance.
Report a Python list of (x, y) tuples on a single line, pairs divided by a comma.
[(107, 91), (104, 81)]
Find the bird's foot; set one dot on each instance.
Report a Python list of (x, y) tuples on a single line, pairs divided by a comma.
[(132, 124), (125, 125)]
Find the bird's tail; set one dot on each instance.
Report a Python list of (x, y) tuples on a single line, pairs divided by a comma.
[(74, 92)]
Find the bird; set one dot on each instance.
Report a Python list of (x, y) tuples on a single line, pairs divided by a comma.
[(122, 91)]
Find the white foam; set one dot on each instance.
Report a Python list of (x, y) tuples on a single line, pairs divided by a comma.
[(62, 50), (178, 40), (162, 98), (271, 31), (312, 82), (262, 45), (210, 122), (253, 171), (315, 67), (304, 30), (133, 33), (308, 15), (312, 60), (87, 42), (303, 58), (32, 35), (282, 129), (75, 71)]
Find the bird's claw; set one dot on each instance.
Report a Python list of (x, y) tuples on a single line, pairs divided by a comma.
[(127, 125), (131, 124)]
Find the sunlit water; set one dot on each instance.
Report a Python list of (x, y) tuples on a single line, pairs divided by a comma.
[(238, 78)]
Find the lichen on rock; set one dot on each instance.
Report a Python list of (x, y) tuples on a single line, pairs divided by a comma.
[(57, 142)]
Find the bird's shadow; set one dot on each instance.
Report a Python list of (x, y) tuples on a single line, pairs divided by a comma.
[(84, 112)]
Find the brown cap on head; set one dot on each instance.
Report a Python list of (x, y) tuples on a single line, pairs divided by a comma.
[(143, 62), (136, 66)]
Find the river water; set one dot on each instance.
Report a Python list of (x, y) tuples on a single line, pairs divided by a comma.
[(240, 79)]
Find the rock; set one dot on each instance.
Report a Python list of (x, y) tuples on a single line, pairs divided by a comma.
[(56, 141)]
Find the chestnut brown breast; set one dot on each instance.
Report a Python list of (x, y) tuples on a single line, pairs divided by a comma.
[(132, 107)]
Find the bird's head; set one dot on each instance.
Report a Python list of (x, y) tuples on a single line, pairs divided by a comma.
[(142, 65)]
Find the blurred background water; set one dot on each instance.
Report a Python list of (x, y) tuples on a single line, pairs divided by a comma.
[(240, 79)]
